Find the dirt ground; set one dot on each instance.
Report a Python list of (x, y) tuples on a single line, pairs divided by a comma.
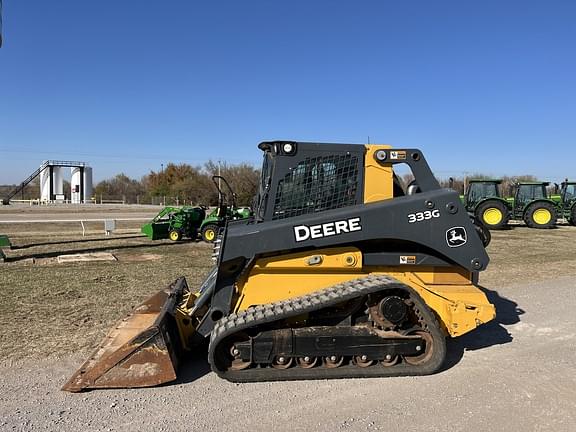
[(515, 373)]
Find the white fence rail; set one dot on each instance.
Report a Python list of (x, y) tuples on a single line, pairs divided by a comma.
[(105, 222)]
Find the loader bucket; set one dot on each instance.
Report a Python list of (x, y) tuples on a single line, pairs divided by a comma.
[(140, 351), (156, 230)]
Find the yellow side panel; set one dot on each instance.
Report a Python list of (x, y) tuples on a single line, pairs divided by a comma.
[(281, 278), (323, 260), (459, 305), (378, 178)]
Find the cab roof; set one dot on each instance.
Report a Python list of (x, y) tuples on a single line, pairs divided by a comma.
[(497, 181)]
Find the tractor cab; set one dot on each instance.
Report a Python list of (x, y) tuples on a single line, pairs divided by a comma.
[(481, 189), (527, 192)]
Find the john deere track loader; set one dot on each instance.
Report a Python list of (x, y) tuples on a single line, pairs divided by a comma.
[(337, 274)]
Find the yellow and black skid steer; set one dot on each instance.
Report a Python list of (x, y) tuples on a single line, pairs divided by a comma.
[(341, 272)]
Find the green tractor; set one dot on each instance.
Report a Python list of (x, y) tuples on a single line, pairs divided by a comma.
[(226, 210), (175, 223), (482, 198), (530, 203), (566, 201)]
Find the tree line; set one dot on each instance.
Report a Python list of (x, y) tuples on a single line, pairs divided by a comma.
[(181, 184)]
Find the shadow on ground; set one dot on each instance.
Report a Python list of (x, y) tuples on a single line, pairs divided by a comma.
[(64, 242), (528, 229), (193, 366), (489, 334), (88, 250)]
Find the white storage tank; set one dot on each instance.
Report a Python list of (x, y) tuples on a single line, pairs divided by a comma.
[(75, 185), (45, 184), (88, 188), (58, 180)]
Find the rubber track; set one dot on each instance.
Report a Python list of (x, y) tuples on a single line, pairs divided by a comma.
[(271, 312)]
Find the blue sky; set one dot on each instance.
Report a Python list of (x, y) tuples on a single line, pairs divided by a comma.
[(128, 85)]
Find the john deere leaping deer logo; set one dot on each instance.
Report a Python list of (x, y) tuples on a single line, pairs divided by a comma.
[(456, 236)]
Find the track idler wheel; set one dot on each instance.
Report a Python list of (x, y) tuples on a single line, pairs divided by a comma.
[(307, 362), (363, 361), (333, 361), (282, 362), (233, 355), (238, 363), (427, 351), (390, 360)]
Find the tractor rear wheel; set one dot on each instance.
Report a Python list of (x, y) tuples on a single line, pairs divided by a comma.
[(540, 215), (209, 233), (572, 219), (175, 235), (493, 214), (483, 232)]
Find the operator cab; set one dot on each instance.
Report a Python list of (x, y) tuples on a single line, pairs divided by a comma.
[(299, 178), (307, 179)]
